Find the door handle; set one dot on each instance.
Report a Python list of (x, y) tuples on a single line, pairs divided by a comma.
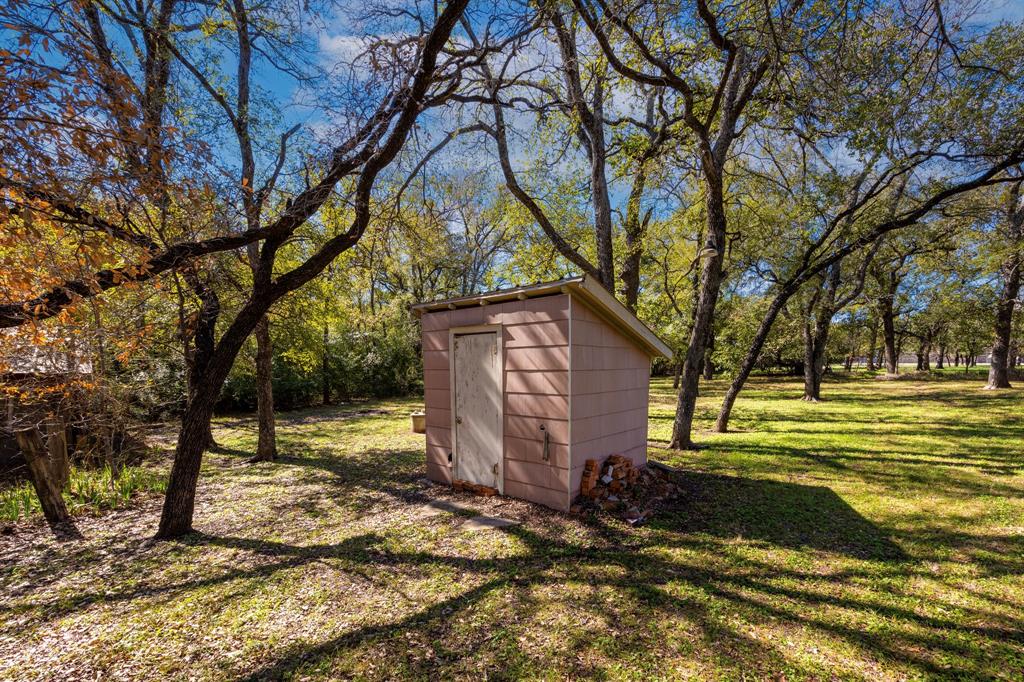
[(458, 420)]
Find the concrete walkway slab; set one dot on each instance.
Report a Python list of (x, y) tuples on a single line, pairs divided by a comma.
[(487, 523), (438, 507)]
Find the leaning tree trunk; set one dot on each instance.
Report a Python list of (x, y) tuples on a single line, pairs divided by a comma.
[(999, 368), (179, 500), (266, 448), (750, 359), (49, 475), (704, 314)]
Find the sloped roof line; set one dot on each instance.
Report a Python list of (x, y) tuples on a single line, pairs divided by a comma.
[(585, 289)]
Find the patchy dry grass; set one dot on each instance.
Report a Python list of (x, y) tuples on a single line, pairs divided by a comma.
[(877, 535)]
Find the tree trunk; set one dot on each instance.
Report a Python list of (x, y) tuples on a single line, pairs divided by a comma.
[(198, 353), (750, 359), (633, 229), (57, 451), (49, 476), (678, 375), (709, 360), (848, 364), (872, 342), (814, 362), (940, 362), (179, 500), (889, 336), (999, 367), (811, 378), (325, 367), (704, 313), (266, 448)]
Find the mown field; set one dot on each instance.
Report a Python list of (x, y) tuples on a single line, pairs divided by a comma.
[(876, 535)]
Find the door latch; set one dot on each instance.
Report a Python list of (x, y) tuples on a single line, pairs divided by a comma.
[(546, 456)]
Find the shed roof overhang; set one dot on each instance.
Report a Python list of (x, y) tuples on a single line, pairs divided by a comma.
[(588, 291)]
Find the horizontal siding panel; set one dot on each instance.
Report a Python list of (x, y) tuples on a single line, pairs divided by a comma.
[(440, 398), (553, 333), (435, 340), (439, 436), (439, 473), (528, 450), (435, 321), (608, 402), (554, 382), (439, 417), (537, 405), (549, 358), (539, 310), (435, 359), (607, 444), (536, 474), (435, 379), (529, 428), (586, 333), (499, 313), (556, 499), (437, 454), (467, 317), (600, 381)]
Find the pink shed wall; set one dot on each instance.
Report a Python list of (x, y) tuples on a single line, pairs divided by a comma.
[(610, 381), (606, 413), (535, 335)]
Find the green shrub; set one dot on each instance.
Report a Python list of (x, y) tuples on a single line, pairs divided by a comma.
[(88, 490)]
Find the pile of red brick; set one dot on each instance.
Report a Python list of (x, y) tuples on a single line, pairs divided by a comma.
[(631, 492), (476, 488), (608, 480)]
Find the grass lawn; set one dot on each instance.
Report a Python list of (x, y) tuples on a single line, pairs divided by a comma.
[(877, 535)]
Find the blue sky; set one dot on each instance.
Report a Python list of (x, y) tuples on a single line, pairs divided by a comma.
[(992, 11)]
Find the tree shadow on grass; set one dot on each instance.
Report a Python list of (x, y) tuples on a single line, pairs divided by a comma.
[(666, 574), (649, 586), (784, 514)]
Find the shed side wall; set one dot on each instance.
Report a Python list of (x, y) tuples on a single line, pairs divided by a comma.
[(536, 387), (610, 382)]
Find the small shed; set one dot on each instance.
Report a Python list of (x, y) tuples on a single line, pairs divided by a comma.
[(523, 385)]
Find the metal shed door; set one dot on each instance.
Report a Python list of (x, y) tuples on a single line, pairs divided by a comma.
[(478, 412)]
